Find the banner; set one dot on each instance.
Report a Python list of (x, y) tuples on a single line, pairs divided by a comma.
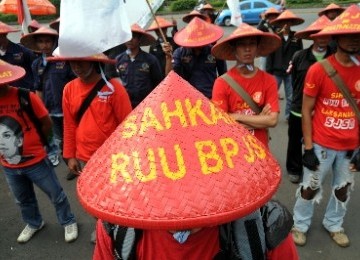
[(24, 17), (138, 11), (234, 6), (91, 27)]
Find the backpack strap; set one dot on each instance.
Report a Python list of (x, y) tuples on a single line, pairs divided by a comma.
[(241, 92), (26, 106), (89, 98), (124, 240), (335, 77)]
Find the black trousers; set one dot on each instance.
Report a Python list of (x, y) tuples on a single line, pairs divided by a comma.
[(294, 150)]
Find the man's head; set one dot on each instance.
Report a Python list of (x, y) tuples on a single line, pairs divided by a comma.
[(85, 70), (348, 43), (331, 11), (246, 49), (134, 43), (43, 40), (45, 43)]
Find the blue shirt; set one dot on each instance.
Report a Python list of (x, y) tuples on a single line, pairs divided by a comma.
[(139, 76), (200, 71), (19, 55), (51, 80)]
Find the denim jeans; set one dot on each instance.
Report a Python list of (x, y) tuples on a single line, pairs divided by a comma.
[(58, 130), (21, 182), (288, 91), (336, 209)]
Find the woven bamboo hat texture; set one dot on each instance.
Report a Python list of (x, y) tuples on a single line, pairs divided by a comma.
[(146, 38), (102, 58), (198, 33), (315, 27), (5, 29), (29, 40), (10, 73), (225, 49), (188, 17), (163, 23), (348, 22), (177, 162), (331, 7), (287, 17)]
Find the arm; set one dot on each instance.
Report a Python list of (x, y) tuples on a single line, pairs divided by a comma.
[(265, 119), (307, 108)]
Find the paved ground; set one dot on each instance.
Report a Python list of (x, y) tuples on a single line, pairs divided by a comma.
[(49, 243)]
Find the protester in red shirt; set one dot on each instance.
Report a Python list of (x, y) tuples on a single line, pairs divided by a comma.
[(24, 158), (82, 137), (331, 130)]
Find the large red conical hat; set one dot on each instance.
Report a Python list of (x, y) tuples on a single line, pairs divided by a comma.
[(331, 7), (348, 22), (146, 38), (198, 33), (10, 73), (315, 27), (177, 162)]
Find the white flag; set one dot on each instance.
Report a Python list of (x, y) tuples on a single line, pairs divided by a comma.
[(138, 10), (91, 27), (234, 6), (24, 17)]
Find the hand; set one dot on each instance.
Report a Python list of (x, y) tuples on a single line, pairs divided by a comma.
[(74, 166), (167, 49), (310, 160), (355, 163), (266, 110)]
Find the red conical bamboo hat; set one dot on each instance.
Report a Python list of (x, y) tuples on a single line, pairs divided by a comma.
[(348, 22), (315, 27), (198, 33), (287, 17), (161, 22), (10, 73), (5, 29), (177, 162), (331, 7)]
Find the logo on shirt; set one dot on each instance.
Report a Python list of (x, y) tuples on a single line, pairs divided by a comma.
[(309, 85), (122, 67), (60, 65), (18, 56), (145, 67), (210, 59), (257, 96), (357, 86)]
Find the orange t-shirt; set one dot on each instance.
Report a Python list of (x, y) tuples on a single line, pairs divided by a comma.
[(262, 88), (20, 144), (334, 124), (99, 120)]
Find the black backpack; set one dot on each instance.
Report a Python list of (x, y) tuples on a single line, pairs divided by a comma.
[(26, 106)]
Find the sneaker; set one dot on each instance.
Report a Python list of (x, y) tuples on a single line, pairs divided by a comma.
[(28, 233), (298, 236), (93, 237), (340, 238), (294, 178), (70, 176), (54, 159), (71, 232)]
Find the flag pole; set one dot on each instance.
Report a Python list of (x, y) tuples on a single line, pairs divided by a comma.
[(156, 21)]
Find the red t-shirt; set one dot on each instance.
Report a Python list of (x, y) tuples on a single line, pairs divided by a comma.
[(161, 245), (262, 88), (99, 120), (20, 144), (334, 123)]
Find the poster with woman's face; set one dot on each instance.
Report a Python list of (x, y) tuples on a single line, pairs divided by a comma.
[(11, 140)]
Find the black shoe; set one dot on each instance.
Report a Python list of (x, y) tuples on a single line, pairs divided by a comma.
[(70, 176)]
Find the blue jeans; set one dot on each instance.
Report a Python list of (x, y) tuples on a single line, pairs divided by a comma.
[(336, 209), (288, 91), (21, 182)]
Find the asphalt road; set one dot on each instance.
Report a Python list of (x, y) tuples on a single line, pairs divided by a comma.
[(49, 243)]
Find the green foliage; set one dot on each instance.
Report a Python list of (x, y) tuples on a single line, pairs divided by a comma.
[(181, 5)]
